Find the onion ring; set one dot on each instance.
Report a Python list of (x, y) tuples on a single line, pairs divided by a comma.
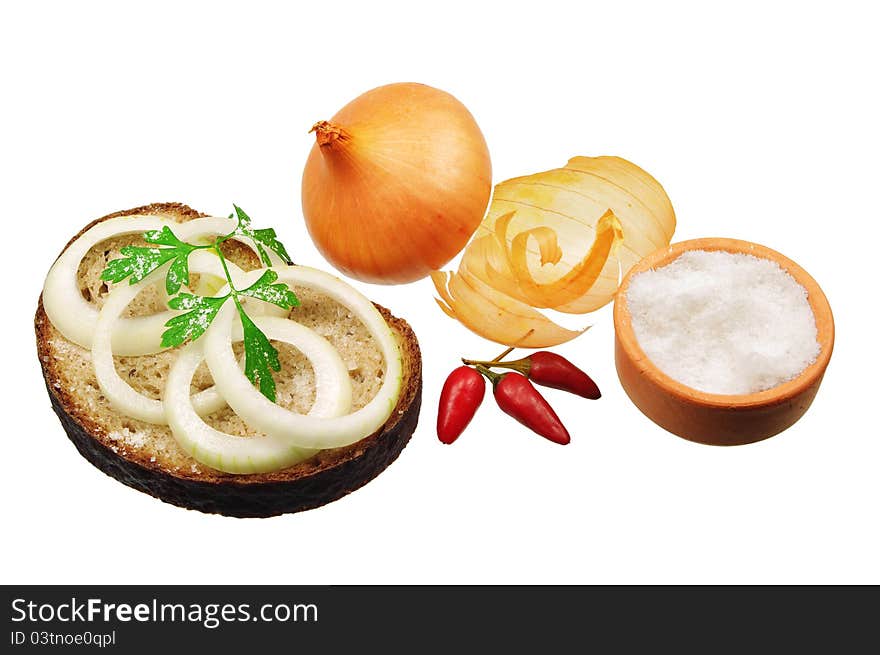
[(219, 225), (75, 317), (305, 431), (237, 454), (123, 398)]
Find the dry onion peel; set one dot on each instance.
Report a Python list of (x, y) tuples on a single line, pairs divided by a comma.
[(494, 315), (557, 240), (571, 201), (514, 277)]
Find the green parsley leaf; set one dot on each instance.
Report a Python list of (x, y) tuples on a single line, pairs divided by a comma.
[(138, 262), (263, 237), (277, 294), (191, 325), (178, 274), (244, 221), (267, 237), (260, 357), (165, 237)]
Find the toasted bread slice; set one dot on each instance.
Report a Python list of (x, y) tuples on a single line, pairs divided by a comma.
[(147, 457)]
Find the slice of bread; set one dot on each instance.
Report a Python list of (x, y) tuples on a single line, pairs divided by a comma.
[(147, 457)]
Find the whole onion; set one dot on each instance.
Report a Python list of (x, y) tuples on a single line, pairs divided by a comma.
[(396, 183)]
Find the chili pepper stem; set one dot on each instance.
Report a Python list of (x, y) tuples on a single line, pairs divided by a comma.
[(520, 365), (494, 378), (474, 362)]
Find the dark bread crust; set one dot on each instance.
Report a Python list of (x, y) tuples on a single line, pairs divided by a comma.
[(305, 486)]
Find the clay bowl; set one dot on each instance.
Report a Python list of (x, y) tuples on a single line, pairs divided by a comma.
[(721, 420)]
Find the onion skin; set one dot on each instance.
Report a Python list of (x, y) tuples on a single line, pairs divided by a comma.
[(396, 183), (557, 239)]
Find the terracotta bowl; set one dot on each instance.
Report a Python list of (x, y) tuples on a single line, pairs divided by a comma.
[(721, 420)]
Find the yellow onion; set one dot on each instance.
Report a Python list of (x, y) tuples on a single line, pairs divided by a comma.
[(560, 240), (396, 183)]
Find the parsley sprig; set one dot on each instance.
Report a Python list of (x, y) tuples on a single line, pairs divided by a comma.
[(137, 262)]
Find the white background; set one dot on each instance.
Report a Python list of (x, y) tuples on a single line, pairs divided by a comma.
[(760, 119)]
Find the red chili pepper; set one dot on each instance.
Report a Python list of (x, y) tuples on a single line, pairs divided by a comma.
[(462, 394), (555, 371), (550, 370), (517, 397)]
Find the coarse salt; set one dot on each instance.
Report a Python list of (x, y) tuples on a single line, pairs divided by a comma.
[(724, 323), (129, 437)]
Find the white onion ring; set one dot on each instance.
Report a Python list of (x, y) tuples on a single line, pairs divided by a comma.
[(305, 431), (75, 317), (237, 454), (123, 398), (219, 225)]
